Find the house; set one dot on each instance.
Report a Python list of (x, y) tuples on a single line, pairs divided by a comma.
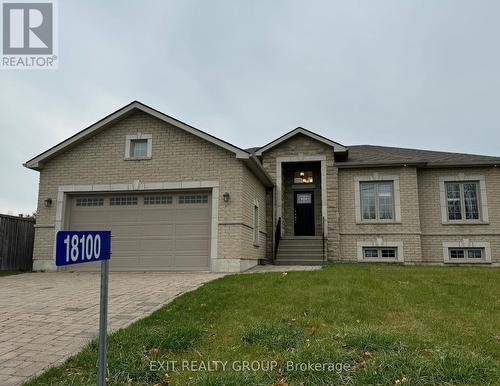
[(177, 198)]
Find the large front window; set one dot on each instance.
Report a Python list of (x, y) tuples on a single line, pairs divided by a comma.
[(377, 200), (462, 200)]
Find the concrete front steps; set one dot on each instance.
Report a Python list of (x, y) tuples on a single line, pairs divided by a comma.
[(300, 250)]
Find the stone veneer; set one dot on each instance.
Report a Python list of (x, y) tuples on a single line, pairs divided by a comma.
[(421, 234), (176, 156)]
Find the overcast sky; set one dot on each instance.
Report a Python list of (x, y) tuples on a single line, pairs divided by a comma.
[(422, 74)]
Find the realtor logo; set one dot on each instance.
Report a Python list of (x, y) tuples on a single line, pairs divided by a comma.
[(29, 35)]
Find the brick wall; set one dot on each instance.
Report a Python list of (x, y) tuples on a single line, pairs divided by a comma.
[(434, 232), (407, 231), (177, 156), (302, 146)]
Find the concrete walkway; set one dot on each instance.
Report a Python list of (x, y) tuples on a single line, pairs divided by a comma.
[(47, 317)]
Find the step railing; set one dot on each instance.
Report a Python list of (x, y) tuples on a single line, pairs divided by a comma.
[(277, 237), (323, 236)]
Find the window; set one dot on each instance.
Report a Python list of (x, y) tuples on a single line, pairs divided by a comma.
[(157, 200), (303, 177), (462, 200), (256, 224), (193, 199), (304, 198), (90, 201), (389, 253), (466, 254), (377, 200), (123, 201), (138, 146)]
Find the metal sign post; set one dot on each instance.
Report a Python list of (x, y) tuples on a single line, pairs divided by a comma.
[(103, 321), (76, 247)]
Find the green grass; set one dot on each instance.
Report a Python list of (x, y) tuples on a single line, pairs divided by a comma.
[(389, 324), (8, 273)]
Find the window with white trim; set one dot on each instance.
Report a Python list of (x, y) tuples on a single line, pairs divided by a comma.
[(462, 200), (256, 224), (138, 146), (377, 200), (464, 255), (389, 253)]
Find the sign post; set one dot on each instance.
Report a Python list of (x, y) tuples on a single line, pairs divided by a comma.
[(103, 321), (76, 247)]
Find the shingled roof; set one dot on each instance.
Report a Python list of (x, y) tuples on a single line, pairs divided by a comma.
[(370, 155), (360, 155)]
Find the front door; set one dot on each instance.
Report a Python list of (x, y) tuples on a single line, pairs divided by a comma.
[(303, 205)]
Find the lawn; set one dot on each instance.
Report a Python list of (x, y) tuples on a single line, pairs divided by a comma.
[(375, 324), (8, 273)]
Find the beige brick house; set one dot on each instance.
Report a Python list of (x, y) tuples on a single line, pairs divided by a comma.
[(177, 198)]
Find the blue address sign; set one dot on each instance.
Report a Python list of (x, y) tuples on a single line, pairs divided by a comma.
[(76, 247)]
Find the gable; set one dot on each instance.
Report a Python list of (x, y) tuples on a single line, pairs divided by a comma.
[(117, 145), (336, 147), (37, 162)]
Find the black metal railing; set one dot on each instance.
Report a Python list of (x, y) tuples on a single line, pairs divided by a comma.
[(323, 237), (277, 237)]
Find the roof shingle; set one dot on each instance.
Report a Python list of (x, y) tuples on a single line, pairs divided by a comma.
[(369, 154)]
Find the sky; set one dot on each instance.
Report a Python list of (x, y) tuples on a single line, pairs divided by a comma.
[(417, 74)]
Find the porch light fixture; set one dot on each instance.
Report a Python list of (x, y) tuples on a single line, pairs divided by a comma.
[(303, 177), (48, 202), (226, 196)]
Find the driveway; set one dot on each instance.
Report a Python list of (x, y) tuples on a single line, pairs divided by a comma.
[(47, 317)]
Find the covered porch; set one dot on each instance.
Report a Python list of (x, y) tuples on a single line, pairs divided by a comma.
[(300, 212)]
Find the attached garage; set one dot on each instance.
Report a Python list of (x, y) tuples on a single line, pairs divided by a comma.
[(167, 231)]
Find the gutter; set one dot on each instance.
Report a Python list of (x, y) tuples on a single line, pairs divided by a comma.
[(379, 165), (253, 163), (427, 165)]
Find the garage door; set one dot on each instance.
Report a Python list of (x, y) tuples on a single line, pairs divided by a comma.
[(151, 232)]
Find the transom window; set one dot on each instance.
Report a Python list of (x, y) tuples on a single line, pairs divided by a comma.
[(157, 200), (462, 200), (123, 201), (380, 253), (90, 201), (466, 254), (193, 199), (303, 177), (138, 148), (377, 200)]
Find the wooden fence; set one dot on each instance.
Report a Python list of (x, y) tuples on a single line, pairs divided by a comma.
[(17, 235)]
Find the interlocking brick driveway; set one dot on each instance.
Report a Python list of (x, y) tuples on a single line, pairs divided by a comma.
[(46, 317)]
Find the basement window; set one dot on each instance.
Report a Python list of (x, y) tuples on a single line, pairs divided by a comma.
[(388, 253), (465, 255)]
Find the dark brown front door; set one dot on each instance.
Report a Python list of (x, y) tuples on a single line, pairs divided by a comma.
[(303, 205)]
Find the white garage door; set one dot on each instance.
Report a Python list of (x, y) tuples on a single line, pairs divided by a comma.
[(150, 232)]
